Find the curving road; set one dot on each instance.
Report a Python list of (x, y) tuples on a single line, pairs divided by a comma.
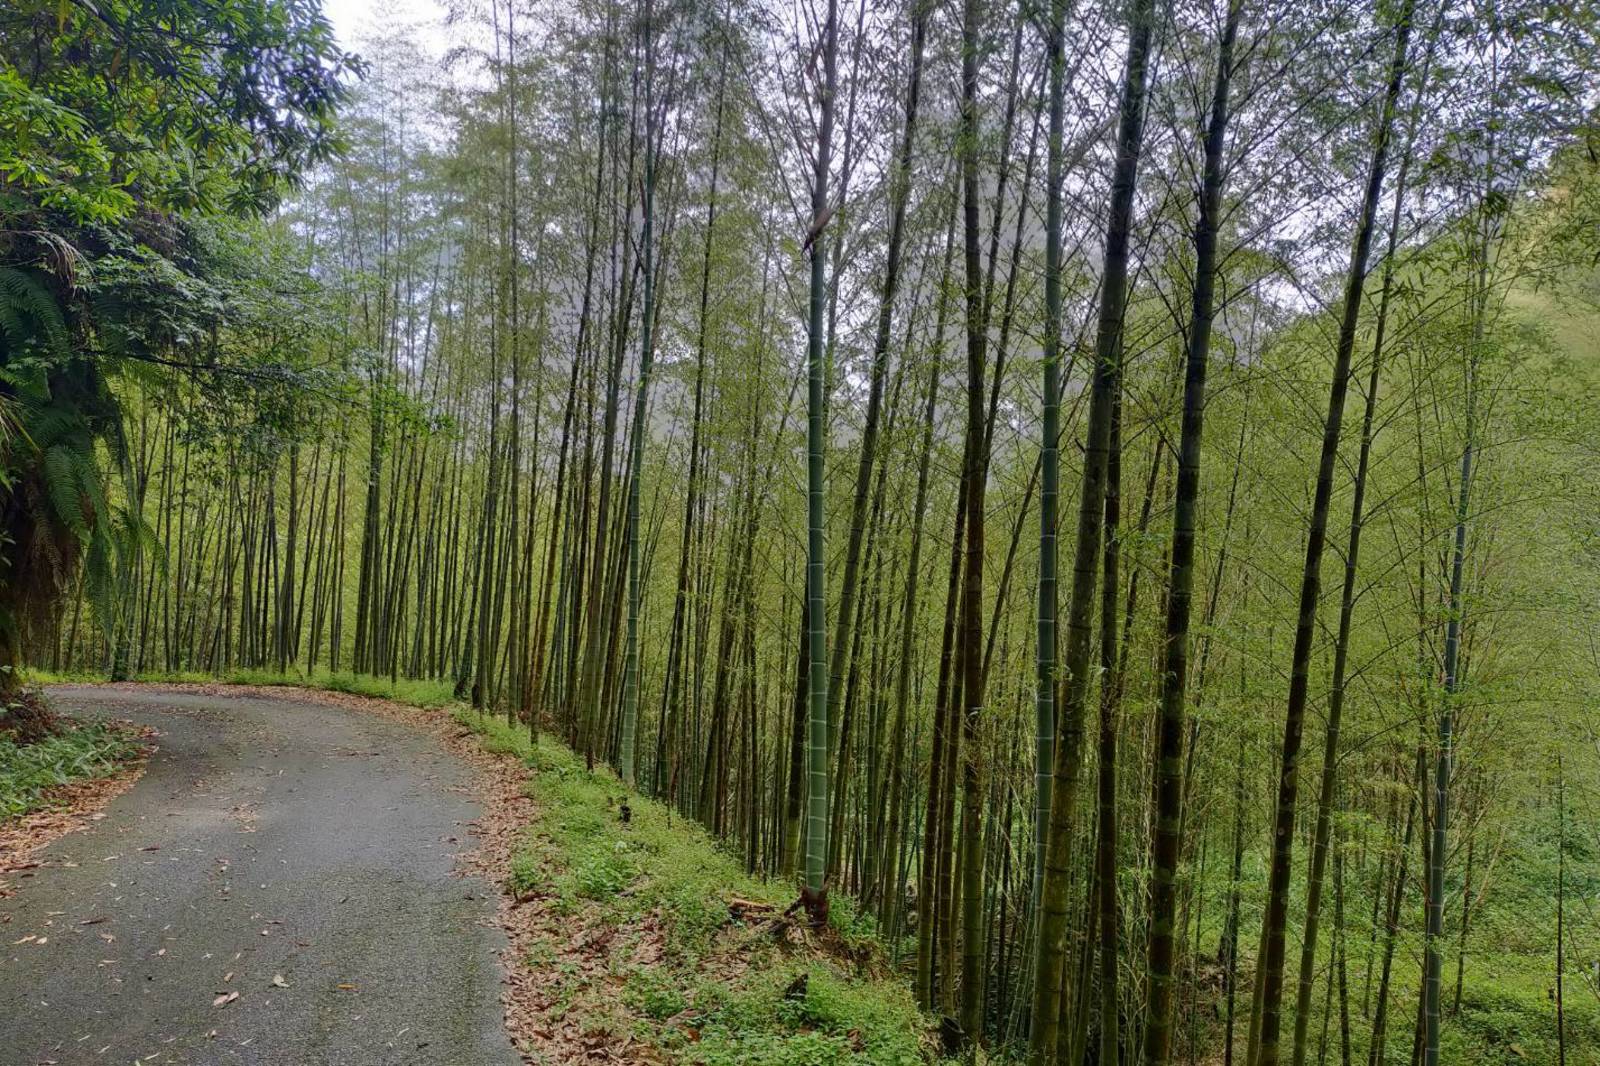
[(297, 854)]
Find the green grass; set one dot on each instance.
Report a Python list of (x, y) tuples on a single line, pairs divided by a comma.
[(712, 993), (78, 752), (717, 995), (428, 694), (757, 1023)]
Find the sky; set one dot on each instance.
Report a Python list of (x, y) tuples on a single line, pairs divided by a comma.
[(354, 18)]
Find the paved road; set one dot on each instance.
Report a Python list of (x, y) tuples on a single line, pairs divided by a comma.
[(267, 839)]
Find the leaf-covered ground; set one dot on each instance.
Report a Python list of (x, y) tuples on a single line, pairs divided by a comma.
[(60, 783)]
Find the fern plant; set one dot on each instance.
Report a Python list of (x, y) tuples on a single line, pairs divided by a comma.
[(58, 417)]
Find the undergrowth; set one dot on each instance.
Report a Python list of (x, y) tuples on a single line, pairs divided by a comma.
[(77, 751), (417, 693), (720, 994), (716, 994)]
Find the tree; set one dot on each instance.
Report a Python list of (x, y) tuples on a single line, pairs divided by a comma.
[(974, 475), (1091, 503), (652, 136), (1050, 453), (1274, 922), (1174, 679), (815, 893), (246, 94)]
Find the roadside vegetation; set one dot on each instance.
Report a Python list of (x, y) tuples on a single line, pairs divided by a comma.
[(716, 992), (707, 989), (706, 986), (69, 751)]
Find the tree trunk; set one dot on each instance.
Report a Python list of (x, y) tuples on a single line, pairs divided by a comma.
[(1106, 775), (1432, 954), (815, 893), (1274, 940), (1341, 649), (972, 592), (1048, 607), (1049, 976), (641, 429), (1378, 1045), (1561, 913), (1166, 841)]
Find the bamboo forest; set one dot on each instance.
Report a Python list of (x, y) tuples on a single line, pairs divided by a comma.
[(1017, 531)]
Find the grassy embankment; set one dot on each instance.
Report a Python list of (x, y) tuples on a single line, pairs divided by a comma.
[(78, 752), (39, 753)]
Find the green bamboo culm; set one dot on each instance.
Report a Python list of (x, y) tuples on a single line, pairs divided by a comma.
[(1050, 461), (1433, 961), (1166, 842), (1322, 835), (1268, 1039), (1066, 762), (630, 678), (815, 896)]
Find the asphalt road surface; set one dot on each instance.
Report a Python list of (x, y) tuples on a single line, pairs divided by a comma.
[(297, 854)]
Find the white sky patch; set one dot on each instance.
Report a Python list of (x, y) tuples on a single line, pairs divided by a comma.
[(357, 20)]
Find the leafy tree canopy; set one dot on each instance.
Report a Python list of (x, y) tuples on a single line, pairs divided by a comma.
[(110, 106)]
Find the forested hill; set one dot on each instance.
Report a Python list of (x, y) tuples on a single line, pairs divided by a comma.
[(1107, 490)]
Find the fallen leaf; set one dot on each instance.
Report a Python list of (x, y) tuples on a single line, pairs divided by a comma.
[(224, 999), (346, 988), (278, 981)]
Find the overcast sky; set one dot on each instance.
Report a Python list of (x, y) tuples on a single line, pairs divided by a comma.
[(353, 19)]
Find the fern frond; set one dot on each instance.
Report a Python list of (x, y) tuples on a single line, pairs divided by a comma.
[(99, 581), (12, 429), (141, 537), (25, 298), (59, 470), (92, 488)]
